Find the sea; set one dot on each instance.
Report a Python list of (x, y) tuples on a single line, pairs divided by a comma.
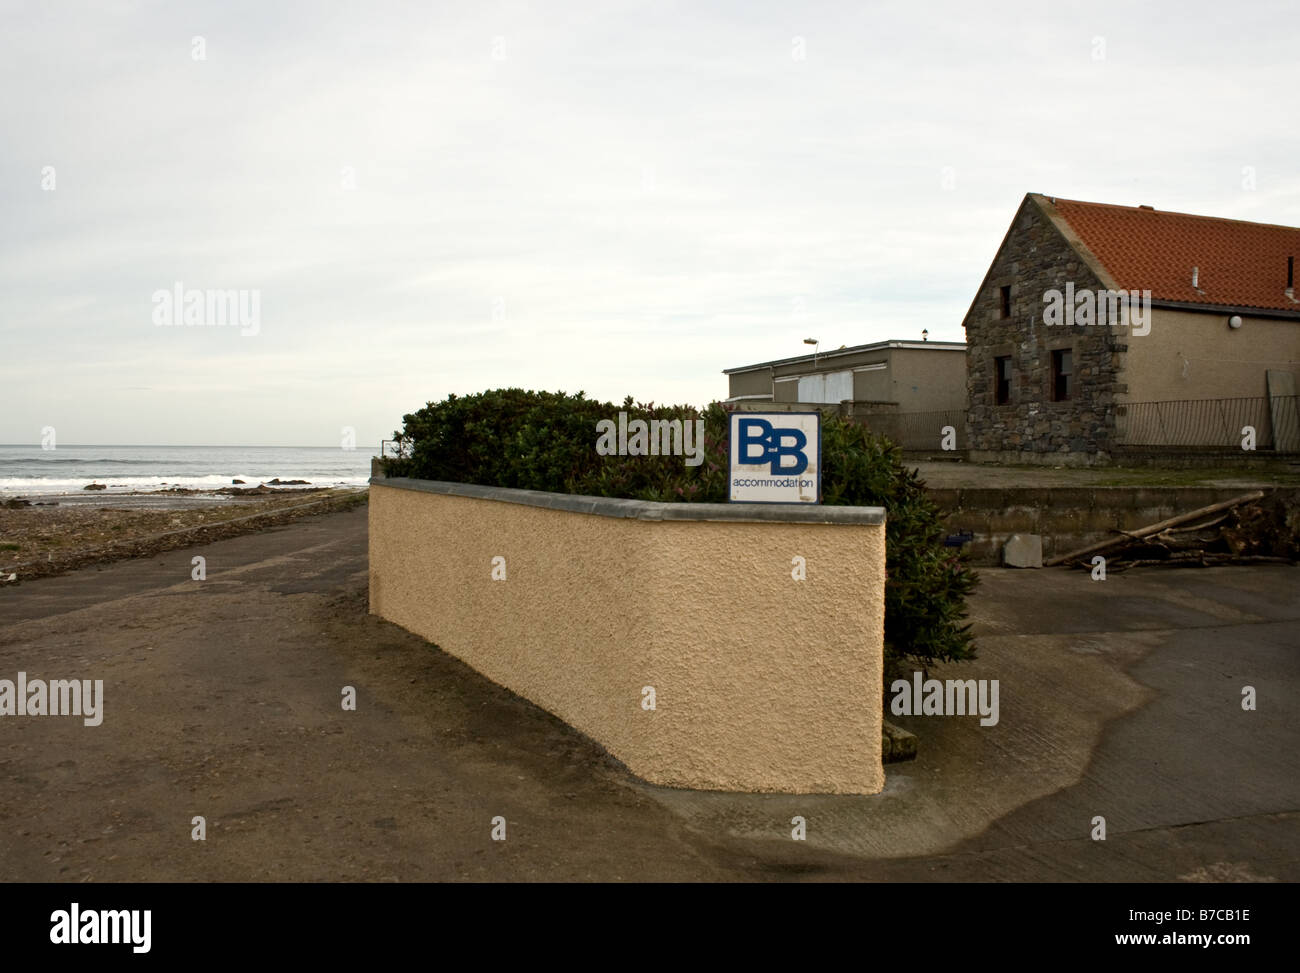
[(30, 470)]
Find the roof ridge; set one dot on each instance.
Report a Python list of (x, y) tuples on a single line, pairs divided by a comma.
[(1167, 212)]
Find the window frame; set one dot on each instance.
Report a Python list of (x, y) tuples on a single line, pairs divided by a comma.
[(1056, 374), (998, 398)]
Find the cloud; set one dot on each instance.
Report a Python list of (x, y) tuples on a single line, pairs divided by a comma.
[(618, 197)]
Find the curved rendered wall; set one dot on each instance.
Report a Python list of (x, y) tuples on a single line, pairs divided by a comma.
[(761, 682)]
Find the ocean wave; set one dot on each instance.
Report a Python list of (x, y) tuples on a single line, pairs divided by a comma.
[(85, 462), (25, 484)]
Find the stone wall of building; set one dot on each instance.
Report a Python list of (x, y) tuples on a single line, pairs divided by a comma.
[(1035, 258)]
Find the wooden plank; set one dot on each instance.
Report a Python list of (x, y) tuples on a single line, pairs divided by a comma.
[(1128, 536)]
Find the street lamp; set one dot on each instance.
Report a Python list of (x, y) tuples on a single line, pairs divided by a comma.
[(817, 345)]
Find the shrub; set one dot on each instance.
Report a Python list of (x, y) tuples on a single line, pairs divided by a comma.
[(546, 441), (508, 437)]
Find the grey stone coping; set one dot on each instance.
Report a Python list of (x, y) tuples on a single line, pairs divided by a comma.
[(787, 513)]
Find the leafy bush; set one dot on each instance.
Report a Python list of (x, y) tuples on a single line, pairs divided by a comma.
[(509, 437), (546, 441)]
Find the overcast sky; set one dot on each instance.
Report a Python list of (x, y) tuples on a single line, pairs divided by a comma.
[(618, 197)]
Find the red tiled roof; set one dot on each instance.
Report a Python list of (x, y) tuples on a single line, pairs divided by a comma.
[(1239, 264)]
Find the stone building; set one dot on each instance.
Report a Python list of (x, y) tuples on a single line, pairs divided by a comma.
[(1102, 331)]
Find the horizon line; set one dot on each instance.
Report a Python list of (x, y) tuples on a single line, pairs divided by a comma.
[(172, 446)]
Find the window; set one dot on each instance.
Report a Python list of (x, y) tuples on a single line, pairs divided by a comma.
[(1006, 301), (1061, 368), (1002, 379)]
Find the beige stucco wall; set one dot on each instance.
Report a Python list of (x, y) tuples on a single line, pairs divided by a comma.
[(757, 382), (1220, 362), (785, 391), (763, 683), (876, 385), (927, 380)]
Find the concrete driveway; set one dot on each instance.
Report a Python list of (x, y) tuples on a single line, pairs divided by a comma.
[(1119, 699)]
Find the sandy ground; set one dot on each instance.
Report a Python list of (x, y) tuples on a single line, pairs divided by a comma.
[(222, 699)]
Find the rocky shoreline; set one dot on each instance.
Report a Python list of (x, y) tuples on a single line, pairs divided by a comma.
[(176, 498), (46, 535)]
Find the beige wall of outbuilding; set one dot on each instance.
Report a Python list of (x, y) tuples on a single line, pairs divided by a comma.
[(762, 683), (918, 379), (874, 385), (757, 382), (928, 380), (1195, 355)]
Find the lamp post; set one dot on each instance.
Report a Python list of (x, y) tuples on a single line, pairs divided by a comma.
[(817, 345)]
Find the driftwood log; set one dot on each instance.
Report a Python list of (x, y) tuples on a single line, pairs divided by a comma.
[(1253, 528)]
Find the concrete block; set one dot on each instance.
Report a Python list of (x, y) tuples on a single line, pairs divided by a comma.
[(1143, 517), (982, 498), (1023, 551), (976, 520), (1014, 520)]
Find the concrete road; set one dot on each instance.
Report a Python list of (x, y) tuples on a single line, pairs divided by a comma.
[(1118, 699)]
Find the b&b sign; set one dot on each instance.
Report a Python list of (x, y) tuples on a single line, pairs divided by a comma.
[(775, 457)]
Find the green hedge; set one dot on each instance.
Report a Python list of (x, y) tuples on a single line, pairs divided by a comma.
[(546, 441)]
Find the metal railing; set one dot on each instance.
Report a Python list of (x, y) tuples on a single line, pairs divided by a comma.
[(1212, 423), (395, 448), (932, 430), (1200, 424), (941, 429)]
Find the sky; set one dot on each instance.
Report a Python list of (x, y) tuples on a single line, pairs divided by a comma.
[(622, 198)]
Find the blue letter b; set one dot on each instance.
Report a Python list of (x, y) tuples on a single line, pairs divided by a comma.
[(777, 449)]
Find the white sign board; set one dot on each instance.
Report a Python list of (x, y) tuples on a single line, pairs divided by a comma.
[(775, 457)]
